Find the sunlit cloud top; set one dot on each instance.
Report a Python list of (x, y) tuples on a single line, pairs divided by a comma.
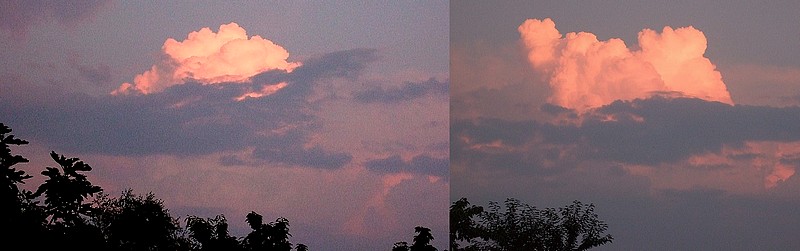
[(584, 72), (209, 58)]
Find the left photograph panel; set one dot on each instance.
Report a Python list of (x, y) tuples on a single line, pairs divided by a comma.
[(230, 126)]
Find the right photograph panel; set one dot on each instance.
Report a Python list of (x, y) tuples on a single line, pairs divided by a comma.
[(624, 125)]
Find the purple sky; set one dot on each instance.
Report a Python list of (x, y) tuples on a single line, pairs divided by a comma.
[(666, 172), (351, 142), (353, 149)]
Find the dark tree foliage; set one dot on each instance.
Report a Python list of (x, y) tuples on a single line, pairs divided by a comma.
[(272, 236), (135, 222), (422, 241), (462, 224), (211, 233), (400, 246), (64, 193), (20, 216), (10, 176), (518, 226), (279, 235)]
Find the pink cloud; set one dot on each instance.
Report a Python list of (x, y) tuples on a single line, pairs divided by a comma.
[(753, 167), (584, 72), (210, 58)]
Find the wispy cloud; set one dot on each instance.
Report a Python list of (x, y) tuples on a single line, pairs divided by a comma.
[(409, 91), (421, 164), (17, 16)]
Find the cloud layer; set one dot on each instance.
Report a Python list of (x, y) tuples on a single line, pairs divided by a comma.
[(211, 58), (193, 119), (752, 144), (584, 72)]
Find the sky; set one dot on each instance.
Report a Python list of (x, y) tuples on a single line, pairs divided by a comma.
[(678, 120), (334, 116)]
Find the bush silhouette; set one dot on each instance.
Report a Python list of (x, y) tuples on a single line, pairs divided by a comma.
[(518, 226)]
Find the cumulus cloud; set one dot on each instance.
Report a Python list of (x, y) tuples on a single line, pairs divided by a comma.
[(228, 55), (584, 72)]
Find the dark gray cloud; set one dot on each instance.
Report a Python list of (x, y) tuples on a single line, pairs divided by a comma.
[(514, 146), (557, 110), (341, 64), (643, 131), (674, 129), (549, 165), (422, 164), (16, 16), (409, 91), (191, 119), (231, 160), (297, 155), (100, 75)]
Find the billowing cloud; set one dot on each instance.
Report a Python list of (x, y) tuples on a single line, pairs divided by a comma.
[(584, 72), (408, 91), (211, 58)]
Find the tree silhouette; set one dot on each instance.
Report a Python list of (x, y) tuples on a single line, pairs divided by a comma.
[(135, 222), (211, 234), (422, 241), (279, 235), (518, 226), (400, 246), (10, 176), (272, 236), (258, 238), (582, 229), (130, 222), (64, 193), (462, 224), (20, 216)]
